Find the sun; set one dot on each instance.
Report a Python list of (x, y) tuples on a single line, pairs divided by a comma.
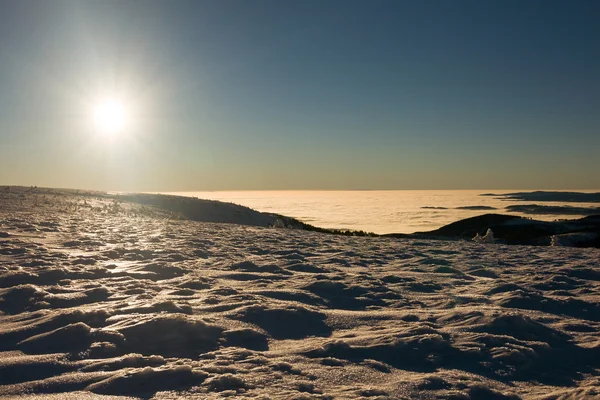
[(110, 116)]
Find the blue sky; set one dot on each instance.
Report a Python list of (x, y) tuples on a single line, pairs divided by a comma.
[(232, 95)]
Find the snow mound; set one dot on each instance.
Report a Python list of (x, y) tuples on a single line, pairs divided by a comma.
[(170, 335)]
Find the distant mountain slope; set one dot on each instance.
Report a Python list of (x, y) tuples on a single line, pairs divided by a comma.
[(510, 229), (469, 227), (202, 210)]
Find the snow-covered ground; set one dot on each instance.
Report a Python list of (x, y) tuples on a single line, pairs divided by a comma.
[(106, 298)]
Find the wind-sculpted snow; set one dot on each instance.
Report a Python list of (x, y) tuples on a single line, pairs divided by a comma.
[(99, 299)]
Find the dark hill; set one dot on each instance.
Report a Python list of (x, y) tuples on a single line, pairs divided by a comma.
[(510, 229), (574, 197)]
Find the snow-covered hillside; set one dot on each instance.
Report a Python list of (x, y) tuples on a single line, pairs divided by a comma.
[(106, 298)]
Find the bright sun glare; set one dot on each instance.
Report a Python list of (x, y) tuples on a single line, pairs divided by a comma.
[(110, 116)]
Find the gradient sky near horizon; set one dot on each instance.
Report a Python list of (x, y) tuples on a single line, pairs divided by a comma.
[(270, 94)]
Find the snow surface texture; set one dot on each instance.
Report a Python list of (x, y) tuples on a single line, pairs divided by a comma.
[(99, 299)]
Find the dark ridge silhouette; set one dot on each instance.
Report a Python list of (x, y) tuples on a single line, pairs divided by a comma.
[(469, 227), (567, 197), (476, 208), (202, 210), (552, 210), (511, 229)]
